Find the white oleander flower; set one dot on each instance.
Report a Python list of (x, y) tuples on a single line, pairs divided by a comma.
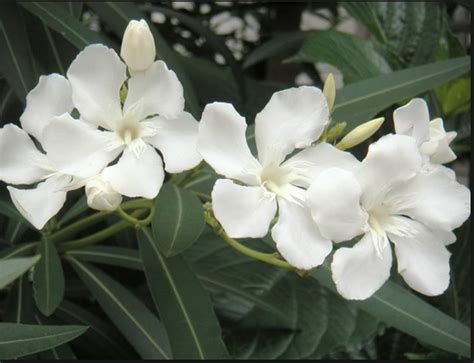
[(152, 116), (58, 170), (292, 119), (389, 198), (413, 119), (101, 196), (138, 46)]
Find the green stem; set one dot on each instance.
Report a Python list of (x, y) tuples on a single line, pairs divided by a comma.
[(99, 236), (270, 258), (190, 175), (137, 223), (83, 223)]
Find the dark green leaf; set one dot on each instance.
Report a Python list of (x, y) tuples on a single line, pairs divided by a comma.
[(57, 18), (183, 304), (20, 304), (178, 221), (48, 278), (60, 352), (78, 208), (141, 328), (359, 102), (109, 255), (12, 268), (403, 310), (17, 340), (24, 249), (355, 57), (16, 59)]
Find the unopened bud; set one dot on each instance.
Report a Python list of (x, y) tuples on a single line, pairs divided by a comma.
[(138, 46), (329, 91), (360, 134), (335, 131), (101, 196)]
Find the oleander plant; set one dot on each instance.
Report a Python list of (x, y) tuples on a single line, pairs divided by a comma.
[(235, 180)]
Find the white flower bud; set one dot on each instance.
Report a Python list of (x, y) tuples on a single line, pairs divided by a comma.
[(360, 133), (329, 91), (101, 196), (138, 46)]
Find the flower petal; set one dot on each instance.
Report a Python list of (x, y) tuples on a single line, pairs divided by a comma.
[(40, 204), (423, 260), (137, 176), (177, 141), (75, 148), (20, 161), (334, 200), (96, 76), (293, 118), (222, 143), (51, 97), (298, 238), (432, 198), (413, 119), (391, 159), (155, 91), (359, 272), (242, 211), (313, 160)]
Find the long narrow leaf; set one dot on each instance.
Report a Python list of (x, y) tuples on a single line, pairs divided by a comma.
[(12, 268)]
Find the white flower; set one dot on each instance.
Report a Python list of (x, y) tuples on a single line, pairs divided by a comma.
[(58, 171), (413, 119), (388, 198), (293, 118), (101, 196), (152, 117), (138, 46)]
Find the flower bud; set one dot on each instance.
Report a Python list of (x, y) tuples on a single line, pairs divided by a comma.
[(360, 134), (329, 91), (138, 46), (101, 196)]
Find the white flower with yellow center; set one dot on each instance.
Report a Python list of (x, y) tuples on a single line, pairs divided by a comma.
[(292, 119), (389, 198)]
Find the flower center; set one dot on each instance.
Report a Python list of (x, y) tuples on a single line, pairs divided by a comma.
[(274, 178), (128, 131)]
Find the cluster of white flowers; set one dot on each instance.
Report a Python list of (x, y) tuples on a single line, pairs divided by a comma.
[(322, 195)]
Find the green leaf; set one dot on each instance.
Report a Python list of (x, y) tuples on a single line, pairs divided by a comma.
[(182, 303), (20, 304), (141, 328), (12, 268), (361, 101), (178, 221), (109, 255), (60, 352), (403, 310), (17, 340), (77, 209), (48, 278), (16, 58), (24, 249), (355, 57), (57, 18), (277, 45), (100, 337), (118, 14)]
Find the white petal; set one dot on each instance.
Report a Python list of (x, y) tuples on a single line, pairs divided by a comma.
[(334, 200), (359, 272), (40, 204), (434, 199), (242, 211), (293, 118), (391, 159), (96, 76), (155, 91), (222, 143), (137, 176), (315, 159), (51, 97), (413, 120), (437, 147), (423, 260), (177, 141), (75, 148), (298, 238), (20, 161)]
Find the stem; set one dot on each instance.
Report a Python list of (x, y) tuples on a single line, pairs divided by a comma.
[(95, 218), (270, 258), (190, 175), (137, 223), (99, 236)]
